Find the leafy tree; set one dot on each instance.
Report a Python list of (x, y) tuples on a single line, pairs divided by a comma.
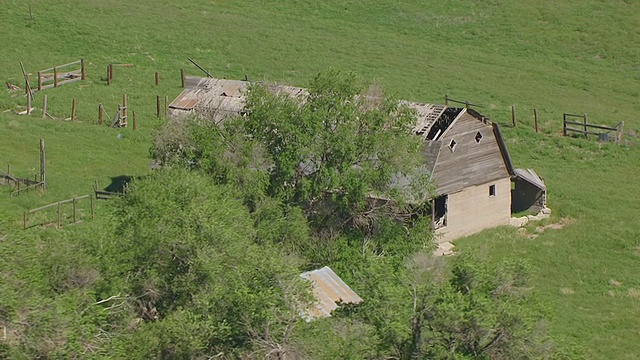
[(337, 140), (193, 273), (330, 151), (482, 312)]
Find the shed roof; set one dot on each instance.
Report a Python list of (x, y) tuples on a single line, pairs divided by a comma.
[(329, 290), (531, 177)]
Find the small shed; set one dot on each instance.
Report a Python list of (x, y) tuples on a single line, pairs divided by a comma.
[(329, 291), (529, 192)]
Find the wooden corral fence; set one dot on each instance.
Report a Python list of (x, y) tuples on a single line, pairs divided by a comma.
[(120, 118), (74, 217), (105, 195), (25, 184), (586, 129), (60, 75)]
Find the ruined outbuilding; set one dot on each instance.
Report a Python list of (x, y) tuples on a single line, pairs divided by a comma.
[(329, 291), (465, 155)]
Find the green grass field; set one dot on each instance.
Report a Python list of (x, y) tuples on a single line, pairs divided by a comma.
[(556, 56)]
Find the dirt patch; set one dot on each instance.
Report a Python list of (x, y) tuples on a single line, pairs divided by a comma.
[(613, 282), (566, 291), (532, 234), (555, 226), (634, 293)]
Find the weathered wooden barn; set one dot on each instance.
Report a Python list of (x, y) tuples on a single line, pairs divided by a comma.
[(465, 154), (471, 171)]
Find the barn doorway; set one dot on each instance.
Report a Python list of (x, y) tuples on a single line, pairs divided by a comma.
[(439, 214)]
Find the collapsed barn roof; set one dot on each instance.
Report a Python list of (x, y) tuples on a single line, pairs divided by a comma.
[(219, 98)]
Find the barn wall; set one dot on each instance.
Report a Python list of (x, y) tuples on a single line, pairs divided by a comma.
[(473, 209), (470, 163)]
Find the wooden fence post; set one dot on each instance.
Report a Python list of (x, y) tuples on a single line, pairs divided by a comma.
[(535, 119), (446, 99), (134, 120), (125, 111), (584, 117), (100, 112), (564, 124), (158, 105), (513, 115), (109, 74), (73, 110), (43, 166), (24, 220), (83, 74), (182, 76), (75, 210), (27, 83), (55, 77), (39, 81), (157, 78), (59, 215), (28, 104), (44, 107), (620, 131)]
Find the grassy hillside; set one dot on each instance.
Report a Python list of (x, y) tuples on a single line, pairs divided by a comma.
[(556, 56)]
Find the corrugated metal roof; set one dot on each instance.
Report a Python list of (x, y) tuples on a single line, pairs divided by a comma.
[(329, 290), (531, 177), (221, 97), (187, 100)]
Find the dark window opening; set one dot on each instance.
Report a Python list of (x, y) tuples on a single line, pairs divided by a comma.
[(452, 145), (478, 137), (440, 211), (492, 190)]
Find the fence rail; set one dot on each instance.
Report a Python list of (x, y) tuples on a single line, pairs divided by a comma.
[(585, 128), (74, 217), (60, 75)]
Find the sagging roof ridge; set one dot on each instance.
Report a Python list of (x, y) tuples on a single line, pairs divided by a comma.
[(224, 91)]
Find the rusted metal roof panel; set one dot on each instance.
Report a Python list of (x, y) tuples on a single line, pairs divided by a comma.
[(187, 100), (329, 290)]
